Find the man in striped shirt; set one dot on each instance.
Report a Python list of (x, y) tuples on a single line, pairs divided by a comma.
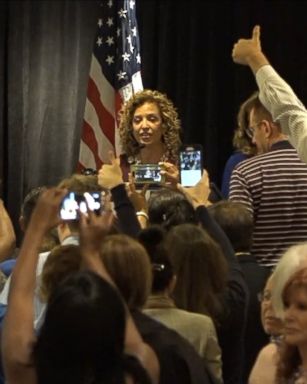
[(275, 94), (273, 186)]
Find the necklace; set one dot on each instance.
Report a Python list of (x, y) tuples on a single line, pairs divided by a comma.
[(137, 159)]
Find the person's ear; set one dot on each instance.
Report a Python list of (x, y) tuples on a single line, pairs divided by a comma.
[(172, 284), (268, 129), (63, 230), (22, 223)]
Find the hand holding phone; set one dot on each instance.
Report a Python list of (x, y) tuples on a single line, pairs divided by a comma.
[(147, 174), (74, 203), (191, 167)]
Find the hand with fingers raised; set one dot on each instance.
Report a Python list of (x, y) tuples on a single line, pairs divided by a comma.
[(93, 228), (138, 198), (170, 172), (46, 212), (110, 175), (248, 51)]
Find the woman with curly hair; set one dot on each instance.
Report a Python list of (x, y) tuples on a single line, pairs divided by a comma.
[(292, 365), (149, 130), (242, 142)]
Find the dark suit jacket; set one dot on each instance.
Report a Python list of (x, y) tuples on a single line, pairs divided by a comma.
[(255, 337), (179, 362)]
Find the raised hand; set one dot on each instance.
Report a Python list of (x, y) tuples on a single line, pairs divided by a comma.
[(199, 194), (138, 198), (110, 175), (170, 172), (46, 212), (93, 228), (245, 48)]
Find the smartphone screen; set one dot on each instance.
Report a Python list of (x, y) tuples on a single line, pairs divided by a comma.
[(73, 203), (190, 166), (146, 173)]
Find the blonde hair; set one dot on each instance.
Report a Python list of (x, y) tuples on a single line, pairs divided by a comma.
[(241, 139), (170, 123)]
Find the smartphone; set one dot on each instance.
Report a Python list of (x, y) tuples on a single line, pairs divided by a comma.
[(74, 203), (191, 164), (146, 173)]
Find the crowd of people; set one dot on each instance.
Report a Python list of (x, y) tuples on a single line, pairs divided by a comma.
[(164, 285)]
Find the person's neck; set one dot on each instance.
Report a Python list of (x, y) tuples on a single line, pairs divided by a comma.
[(278, 139), (152, 154)]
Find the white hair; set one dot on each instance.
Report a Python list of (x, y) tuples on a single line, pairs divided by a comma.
[(294, 259)]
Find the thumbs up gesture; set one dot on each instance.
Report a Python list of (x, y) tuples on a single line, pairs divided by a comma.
[(110, 175), (245, 49)]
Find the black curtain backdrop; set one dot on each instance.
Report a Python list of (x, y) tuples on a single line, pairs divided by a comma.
[(45, 52)]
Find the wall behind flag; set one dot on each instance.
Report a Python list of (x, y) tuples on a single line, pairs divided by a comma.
[(46, 50)]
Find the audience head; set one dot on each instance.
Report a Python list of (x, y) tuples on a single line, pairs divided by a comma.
[(236, 221), (294, 296), (128, 263), (27, 207), (292, 260), (82, 337), (61, 262), (168, 208), (163, 278), (80, 184), (162, 121), (272, 324), (200, 267), (242, 139), (265, 132)]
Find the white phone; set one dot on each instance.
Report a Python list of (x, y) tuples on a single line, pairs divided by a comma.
[(191, 168)]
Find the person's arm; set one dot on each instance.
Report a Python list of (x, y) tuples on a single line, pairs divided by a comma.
[(274, 93), (239, 190), (93, 229), (7, 234), (236, 295), (18, 334), (198, 195), (212, 352), (264, 369), (110, 177)]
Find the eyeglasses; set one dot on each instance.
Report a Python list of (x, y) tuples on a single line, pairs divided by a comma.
[(251, 129), (158, 267), (89, 172), (264, 296)]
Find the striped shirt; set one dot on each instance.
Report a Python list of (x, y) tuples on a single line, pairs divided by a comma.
[(273, 186)]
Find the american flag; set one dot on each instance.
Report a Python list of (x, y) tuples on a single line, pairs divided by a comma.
[(114, 76)]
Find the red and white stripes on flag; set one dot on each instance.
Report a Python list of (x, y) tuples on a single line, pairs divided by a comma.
[(114, 76)]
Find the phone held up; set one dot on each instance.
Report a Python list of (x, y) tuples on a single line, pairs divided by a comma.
[(191, 164), (73, 203), (147, 174)]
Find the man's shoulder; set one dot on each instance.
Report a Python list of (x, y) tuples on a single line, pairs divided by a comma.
[(268, 159), (253, 162)]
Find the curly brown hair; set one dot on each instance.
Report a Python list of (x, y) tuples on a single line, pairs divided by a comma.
[(170, 123), (241, 139)]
